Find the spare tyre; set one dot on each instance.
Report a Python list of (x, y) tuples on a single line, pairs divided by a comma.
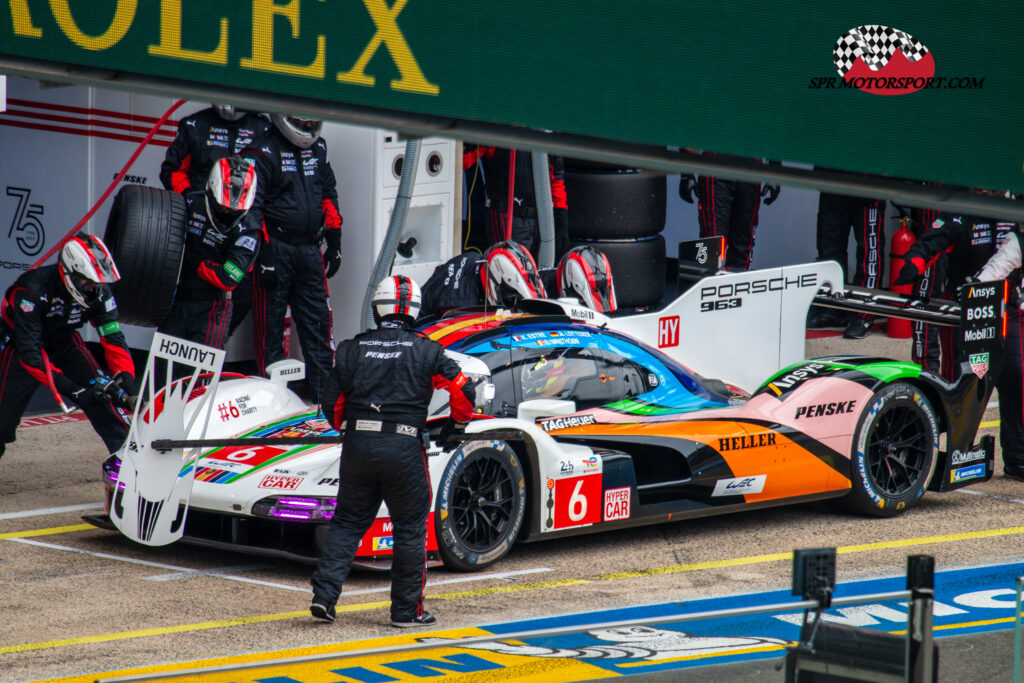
[(146, 235), (618, 204), (638, 269)]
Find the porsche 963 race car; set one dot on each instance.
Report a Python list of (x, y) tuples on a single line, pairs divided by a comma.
[(586, 423)]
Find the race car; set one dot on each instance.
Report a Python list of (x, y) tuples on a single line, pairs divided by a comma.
[(582, 426)]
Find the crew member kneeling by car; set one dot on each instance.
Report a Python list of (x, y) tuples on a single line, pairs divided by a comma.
[(378, 394), (221, 243), (39, 342)]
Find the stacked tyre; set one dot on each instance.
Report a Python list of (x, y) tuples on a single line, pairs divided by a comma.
[(621, 212), (146, 236)]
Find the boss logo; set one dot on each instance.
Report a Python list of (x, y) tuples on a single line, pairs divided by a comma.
[(980, 312)]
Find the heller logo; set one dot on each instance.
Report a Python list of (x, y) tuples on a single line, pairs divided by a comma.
[(882, 60)]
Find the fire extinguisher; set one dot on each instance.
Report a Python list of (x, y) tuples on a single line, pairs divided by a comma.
[(902, 240)]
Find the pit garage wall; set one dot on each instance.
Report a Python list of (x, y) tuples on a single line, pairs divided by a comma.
[(62, 146)]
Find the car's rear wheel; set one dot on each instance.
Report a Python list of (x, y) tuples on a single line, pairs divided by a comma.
[(893, 452), (481, 503)]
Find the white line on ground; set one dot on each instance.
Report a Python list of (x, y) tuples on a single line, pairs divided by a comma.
[(215, 573), (992, 495), (189, 573), (50, 511)]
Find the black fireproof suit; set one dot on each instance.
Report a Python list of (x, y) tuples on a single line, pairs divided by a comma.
[(925, 348), (297, 199), (837, 214), (380, 388), (203, 138), (497, 162), (969, 241), (39, 336), (729, 208), (215, 264)]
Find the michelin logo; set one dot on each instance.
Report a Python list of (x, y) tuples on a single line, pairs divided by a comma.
[(965, 473)]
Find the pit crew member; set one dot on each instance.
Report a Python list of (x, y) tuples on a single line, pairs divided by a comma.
[(297, 200), (969, 242), (728, 208), (500, 165), (40, 344), (221, 243), (378, 394), (202, 138)]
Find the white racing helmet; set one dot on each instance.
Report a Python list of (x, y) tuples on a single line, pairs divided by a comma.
[(510, 275), (228, 112), (301, 131), (584, 273), (396, 296), (86, 266), (230, 192)]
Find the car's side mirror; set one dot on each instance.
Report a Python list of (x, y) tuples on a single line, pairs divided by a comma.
[(529, 411)]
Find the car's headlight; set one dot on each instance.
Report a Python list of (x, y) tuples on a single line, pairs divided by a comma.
[(300, 508), (111, 471)]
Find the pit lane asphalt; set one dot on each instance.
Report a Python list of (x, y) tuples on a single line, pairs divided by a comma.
[(79, 600)]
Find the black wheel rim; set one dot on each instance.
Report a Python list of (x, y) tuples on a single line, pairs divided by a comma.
[(898, 450), (483, 502)]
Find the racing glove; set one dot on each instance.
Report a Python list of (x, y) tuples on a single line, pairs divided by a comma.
[(109, 389), (332, 254), (687, 185), (83, 397), (450, 429), (770, 193), (912, 270), (265, 270)]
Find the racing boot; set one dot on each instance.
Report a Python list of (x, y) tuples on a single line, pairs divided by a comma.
[(425, 619), (858, 328), (322, 611)]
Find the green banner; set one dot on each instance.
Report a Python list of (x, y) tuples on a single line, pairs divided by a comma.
[(922, 90)]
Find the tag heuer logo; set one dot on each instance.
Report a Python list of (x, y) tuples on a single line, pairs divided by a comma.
[(979, 364)]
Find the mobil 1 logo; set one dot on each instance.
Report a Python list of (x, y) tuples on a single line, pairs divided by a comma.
[(981, 325)]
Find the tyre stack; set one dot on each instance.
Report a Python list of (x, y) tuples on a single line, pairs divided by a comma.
[(621, 212)]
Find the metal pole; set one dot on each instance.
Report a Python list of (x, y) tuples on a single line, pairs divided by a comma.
[(1016, 633), (920, 641)]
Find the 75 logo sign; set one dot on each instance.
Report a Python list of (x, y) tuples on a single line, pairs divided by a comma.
[(26, 228)]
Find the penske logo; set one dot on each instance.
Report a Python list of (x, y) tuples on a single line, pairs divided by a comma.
[(825, 409)]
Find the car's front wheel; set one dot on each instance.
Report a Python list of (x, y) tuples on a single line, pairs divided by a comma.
[(481, 502), (893, 451)]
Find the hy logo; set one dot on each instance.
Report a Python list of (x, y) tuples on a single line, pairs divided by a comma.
[(870, 57)]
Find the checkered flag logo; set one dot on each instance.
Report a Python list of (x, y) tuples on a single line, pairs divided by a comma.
[(875, 44)]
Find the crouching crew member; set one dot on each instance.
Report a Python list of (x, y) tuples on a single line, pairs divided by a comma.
[(39, 341), (221, 243), (378, 394)]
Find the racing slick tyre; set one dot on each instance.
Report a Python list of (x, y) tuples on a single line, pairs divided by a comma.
[(146, 235), (894, 451), (617, 204), (638, 269), (481, 503)]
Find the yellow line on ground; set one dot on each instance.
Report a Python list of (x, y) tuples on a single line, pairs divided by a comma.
[(47, 532), (537, 585), (707, 655), (928, 540), (986, 425)]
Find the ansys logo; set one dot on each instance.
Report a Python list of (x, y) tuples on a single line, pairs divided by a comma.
[(886, 61)]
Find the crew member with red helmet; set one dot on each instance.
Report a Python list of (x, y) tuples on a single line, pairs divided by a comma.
[(378, 394), (40, 345), (221, 243), (297, 200)]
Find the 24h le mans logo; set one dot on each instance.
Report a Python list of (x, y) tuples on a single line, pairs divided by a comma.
[(883, 60)]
